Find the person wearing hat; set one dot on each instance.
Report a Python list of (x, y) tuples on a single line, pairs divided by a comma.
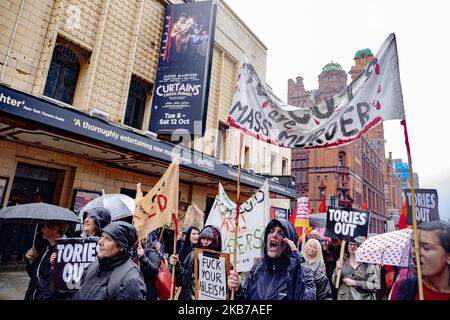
[(94, 220), (113, 276), (359, 281), (279, 274), (38, 265), (209, 238)]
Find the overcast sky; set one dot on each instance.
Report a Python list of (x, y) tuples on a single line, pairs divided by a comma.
[(303, 36)]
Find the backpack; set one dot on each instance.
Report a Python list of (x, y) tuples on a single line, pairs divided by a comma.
[(116, 276)]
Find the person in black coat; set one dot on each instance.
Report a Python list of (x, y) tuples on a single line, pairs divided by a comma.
[(114, 264), (209, 238), (279, 275), (149, 262), (190, 242), (94, 220), (38, 265)]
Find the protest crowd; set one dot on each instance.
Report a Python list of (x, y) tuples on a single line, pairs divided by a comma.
[(120, 265)]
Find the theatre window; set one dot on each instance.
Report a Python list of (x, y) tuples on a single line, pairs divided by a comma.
[(137, 100), (63, 75)]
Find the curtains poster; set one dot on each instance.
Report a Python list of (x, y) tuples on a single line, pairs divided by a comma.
[(180, 95)]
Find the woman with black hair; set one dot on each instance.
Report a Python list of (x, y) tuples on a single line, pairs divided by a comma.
[(190, 243)]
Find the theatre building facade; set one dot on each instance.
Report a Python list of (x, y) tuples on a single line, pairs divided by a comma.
[(76, 91)]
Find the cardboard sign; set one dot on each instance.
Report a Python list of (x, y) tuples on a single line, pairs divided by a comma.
[(211, 269), (426, 205), (73, 256), (347, 223)]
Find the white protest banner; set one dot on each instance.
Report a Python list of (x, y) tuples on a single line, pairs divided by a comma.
[(211, 269), (347, 223), (301, 215), (373, 97), (427, 208), (73, 256), (253, 219)]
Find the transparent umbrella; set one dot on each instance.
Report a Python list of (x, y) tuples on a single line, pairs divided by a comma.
[(119, 205)]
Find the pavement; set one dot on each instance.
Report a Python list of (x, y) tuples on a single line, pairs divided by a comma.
[(13, 285)]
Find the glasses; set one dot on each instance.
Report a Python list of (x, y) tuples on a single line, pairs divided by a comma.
[(353, 244)]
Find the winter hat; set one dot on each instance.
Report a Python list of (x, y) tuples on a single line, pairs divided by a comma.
[(123, 233), (101, 217), (213, 233)]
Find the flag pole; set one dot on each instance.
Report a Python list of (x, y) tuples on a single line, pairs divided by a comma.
[(236, 225), (175, 235), (413, 205), (341, 257)]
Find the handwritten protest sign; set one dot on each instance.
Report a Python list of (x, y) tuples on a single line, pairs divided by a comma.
[(211, 269), (73, 256), (301, 217), (347, 223), (253, 218)]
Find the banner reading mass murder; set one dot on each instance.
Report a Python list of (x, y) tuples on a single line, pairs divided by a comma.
[(73, 256), (254, 215), (181, 87), (426, 205), (375, 95), (211, 269), (347, 223)]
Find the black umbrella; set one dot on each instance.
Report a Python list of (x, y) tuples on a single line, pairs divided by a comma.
[(36, 213)]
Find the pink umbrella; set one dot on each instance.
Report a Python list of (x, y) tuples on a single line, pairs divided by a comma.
[(391, 248)]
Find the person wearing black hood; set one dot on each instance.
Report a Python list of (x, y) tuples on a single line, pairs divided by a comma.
[(279, 275), (113, 276), (190, 242), (209, 238), (94, 220)]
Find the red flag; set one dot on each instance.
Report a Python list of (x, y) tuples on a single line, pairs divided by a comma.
[(323, 206), (364, 206), (292, 220), (402, 218)]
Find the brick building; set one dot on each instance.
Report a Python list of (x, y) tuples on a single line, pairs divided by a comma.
[(393, 190), (88, 58), (351, 174)]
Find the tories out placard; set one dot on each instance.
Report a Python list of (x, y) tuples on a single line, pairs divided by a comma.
[(347, 223), (426, 205), (180, 95), (73, 256)]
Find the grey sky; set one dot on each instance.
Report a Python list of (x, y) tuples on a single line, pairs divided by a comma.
[(303, 36)]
